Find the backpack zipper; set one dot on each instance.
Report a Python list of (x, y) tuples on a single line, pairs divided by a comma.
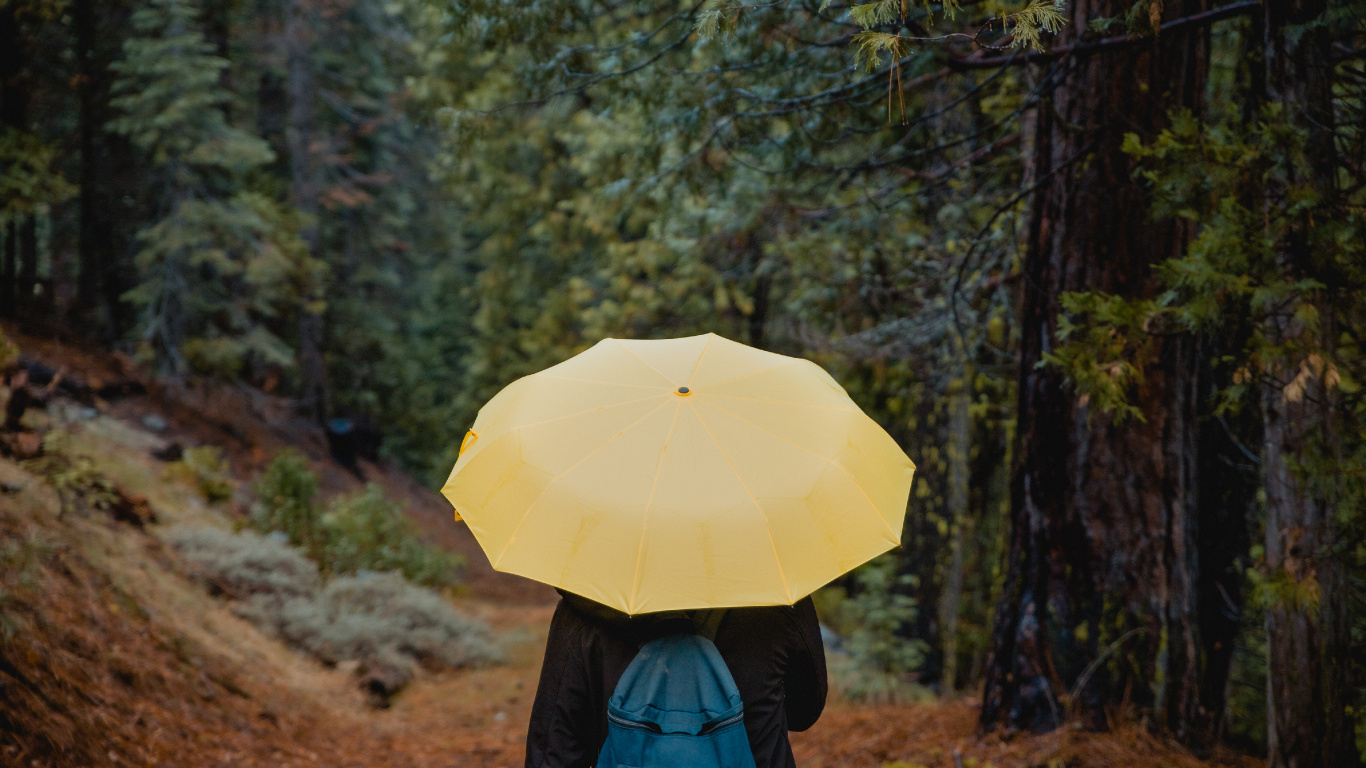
[(653, 728)]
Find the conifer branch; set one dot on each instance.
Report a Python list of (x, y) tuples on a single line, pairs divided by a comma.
[(1118, 41)]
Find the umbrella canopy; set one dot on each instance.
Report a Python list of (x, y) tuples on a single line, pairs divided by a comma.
[(678, 474)]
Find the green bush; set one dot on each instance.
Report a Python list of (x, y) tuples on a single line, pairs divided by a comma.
[(285, 503), (364, 531), (210, 471), (367, 532), (875, 662), (80, 486)]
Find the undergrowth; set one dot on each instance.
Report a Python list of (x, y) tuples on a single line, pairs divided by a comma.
[(206, 468), (873, 662), (364, 531), (20, 560), (375, 619), (80, 486)]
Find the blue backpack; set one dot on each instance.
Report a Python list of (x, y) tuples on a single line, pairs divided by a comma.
[(676, 706)]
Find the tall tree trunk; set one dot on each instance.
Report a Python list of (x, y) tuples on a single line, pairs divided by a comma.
[(951, 597), (109, 174), (1307, 637), (1229, 478), (1102, 554), (14, 98), (304, 177), (90, 264), (26, 285), (9, 260)]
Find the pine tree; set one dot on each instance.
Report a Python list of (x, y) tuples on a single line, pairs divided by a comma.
[(221, 266)]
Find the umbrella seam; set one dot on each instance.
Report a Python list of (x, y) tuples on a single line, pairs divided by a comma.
[(828, 462), (783, 402), (580, 413), (693, 373), (593, 381), (645, 520), (777, 559), (793, 361), (642, 361), (513, 536)]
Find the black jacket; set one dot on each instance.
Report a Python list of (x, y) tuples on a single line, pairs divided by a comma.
[(774, 654)]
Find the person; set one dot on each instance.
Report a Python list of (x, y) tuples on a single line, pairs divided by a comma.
[(774, 653)]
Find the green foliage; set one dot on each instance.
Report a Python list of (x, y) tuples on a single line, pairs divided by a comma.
[(656, 182), (1283, 589), (29, 181), (877, 613), (1028, 25), (79, 484), (1025, 27), (285, 495), (1230, 276), (209, 471), (221, 265), (870, 46), (1105, 338), (869, 15), (368, 532), (364, 531), (876, 658)]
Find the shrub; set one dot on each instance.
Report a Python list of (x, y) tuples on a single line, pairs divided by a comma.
[(367, 532), (876, 660), (285, 504), (244, 565), (364, 531), (74, 476), (377, 619), (368, 616), (210, 471)]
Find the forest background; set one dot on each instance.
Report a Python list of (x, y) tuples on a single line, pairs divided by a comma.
[(1099, 267)]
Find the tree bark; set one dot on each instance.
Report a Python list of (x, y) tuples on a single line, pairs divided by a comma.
[(88, 282), (304, 191), (951, 598), (1307, 637), (1229, 479), (14, 98), (1102, 554), (9, 260), (109, 174), (27, 278)]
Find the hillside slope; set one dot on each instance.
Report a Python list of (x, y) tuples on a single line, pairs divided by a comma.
[(110, 654)]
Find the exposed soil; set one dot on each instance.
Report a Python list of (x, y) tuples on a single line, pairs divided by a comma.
[(110, 656)]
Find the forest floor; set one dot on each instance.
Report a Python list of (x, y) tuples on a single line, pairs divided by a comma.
[(109, 655)]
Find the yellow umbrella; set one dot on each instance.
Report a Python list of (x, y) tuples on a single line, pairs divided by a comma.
[(678, 474)]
